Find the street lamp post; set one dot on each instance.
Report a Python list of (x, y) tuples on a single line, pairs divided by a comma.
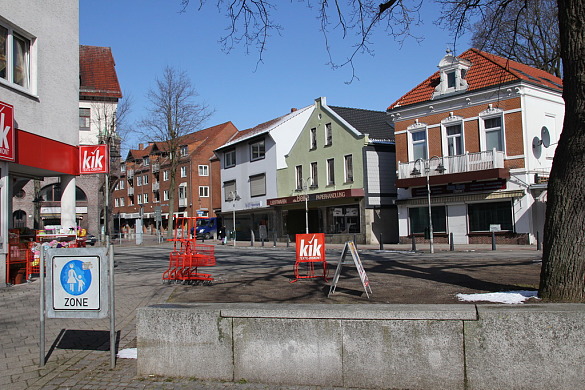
[(233, 196), (427, 167)]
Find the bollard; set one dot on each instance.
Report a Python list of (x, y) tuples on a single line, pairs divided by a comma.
[(262, 241), (538, 243), (252, 238), (381, 243), (413, 243), (354, 242), (287, 241), (451, 244), (274, 243), (493, 241)]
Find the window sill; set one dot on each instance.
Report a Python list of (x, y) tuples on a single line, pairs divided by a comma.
[(19, 89)]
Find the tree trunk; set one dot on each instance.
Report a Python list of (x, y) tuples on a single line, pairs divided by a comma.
[(172, 191), (563, 264)]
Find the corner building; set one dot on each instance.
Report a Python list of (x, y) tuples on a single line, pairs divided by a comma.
[(479, 135)]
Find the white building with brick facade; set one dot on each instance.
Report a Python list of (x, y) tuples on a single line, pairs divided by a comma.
[(480, 133)]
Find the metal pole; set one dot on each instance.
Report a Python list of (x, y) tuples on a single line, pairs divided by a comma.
[(430, 213), (451, 243), (42, 308), (234, 218), (112, 309), (306, 213), (493, 241), (381, 243)]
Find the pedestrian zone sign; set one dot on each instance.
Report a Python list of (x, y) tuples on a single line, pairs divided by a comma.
[(77, 285)]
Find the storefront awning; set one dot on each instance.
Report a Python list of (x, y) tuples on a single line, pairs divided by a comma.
[(463, 198)]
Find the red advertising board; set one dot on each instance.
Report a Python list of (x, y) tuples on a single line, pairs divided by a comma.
[(94, 159), (310, 247), (7, 145)]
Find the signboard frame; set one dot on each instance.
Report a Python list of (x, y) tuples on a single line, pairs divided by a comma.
[(351, 248), (59, 258), (7, 132), (94, 159)]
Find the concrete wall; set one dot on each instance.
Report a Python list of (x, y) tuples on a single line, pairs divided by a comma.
[(368, 346)]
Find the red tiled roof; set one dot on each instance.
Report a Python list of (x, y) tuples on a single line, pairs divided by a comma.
[(97, 73), (486, 70)]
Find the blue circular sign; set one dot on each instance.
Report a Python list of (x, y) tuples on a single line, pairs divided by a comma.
[(74, 279)]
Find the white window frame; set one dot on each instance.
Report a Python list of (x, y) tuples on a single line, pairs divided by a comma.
[(183, 150), (183, 171), (145, 180), (138, 181), (204, 191), (30, 59), (314, 174), (117, 202), (328, 134), (348, 168), (416, 128), (122, 201), (145, 197), (452, 121), (313, 138), (182, 191), (330, 171), (166, 175), (491, 113), (165, 195), (229, 158), (122, 184), (203, 170), (228, 187), (299, 177), (139, 199), (257, 150), (84, 119)]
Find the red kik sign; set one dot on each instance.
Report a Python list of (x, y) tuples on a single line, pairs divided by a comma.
[(94, 159), (7, 147), (310, 247)]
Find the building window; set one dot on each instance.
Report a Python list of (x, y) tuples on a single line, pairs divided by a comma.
[(122, 201), (328, 135), (184, 150), (122, 184), (145, 198), (166, 175), (203, 170), (257, 150), (183, 171), (139, 199), (229, 188), (313, 138), (15, 57), (299, 177), (117, 202), (454, 139), (419, 144), (229, 158), (330, 172), (314, 175), (165, 195), (146, 161), (203, 191), (348, 168), (123, 167), (145, 180), (482, 215), (182, 191), (84, 119), (419, 219), (258, 185), (138, 181), (494, 136)]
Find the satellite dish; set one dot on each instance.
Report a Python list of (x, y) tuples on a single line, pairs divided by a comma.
[(545, 137), (536, 147)]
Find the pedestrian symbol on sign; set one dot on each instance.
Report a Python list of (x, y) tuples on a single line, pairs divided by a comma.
[(76, 277)]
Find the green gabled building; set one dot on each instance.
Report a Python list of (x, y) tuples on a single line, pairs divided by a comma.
[(339, 177)]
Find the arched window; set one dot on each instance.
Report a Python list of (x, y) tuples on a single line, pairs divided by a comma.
[(19, 219), (52, 193)]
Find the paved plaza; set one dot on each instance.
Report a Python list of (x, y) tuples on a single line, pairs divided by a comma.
[(77, 350)]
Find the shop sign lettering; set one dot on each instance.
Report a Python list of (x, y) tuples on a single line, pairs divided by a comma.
[(310, 247), (93, 159), (7, 151)]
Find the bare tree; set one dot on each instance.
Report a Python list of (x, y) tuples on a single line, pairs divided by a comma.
[(563, 270), (173, 113)]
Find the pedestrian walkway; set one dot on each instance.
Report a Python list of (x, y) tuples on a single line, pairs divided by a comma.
[(77, 350)]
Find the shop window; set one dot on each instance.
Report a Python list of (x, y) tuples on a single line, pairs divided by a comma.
[(258, 185), (344, 219), (419, 219), (84, 119), (482, 215)]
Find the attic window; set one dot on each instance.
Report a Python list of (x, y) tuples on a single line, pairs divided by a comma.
[(452, 72)]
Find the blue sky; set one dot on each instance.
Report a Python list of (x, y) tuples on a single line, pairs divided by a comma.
[(148, 35)]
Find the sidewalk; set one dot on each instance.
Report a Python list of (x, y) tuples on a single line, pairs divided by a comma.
[(77, 350)]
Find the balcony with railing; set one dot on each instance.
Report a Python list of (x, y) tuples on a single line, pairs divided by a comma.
[(453, 169), (155, 167), (155, 186), (130, 190), (183, 202)]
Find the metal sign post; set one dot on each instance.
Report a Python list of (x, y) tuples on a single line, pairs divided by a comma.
[(79, 284)]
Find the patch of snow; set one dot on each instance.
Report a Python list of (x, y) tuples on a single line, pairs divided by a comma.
[(509, 297), (128, 353)]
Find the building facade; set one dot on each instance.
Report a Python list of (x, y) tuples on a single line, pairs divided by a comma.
[(339, 177), (39, 95), (249, 164), (474, 147), (141, 197)]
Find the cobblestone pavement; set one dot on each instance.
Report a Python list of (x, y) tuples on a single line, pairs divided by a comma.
[(77, 350)]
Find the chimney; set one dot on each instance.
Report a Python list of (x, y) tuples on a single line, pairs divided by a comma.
[(140, 146), (293, 109)]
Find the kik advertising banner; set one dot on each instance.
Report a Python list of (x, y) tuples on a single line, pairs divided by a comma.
[(94, 159), (7, 146), (310, 247)]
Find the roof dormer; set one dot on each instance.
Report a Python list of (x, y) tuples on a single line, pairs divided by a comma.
[(452, 71)]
